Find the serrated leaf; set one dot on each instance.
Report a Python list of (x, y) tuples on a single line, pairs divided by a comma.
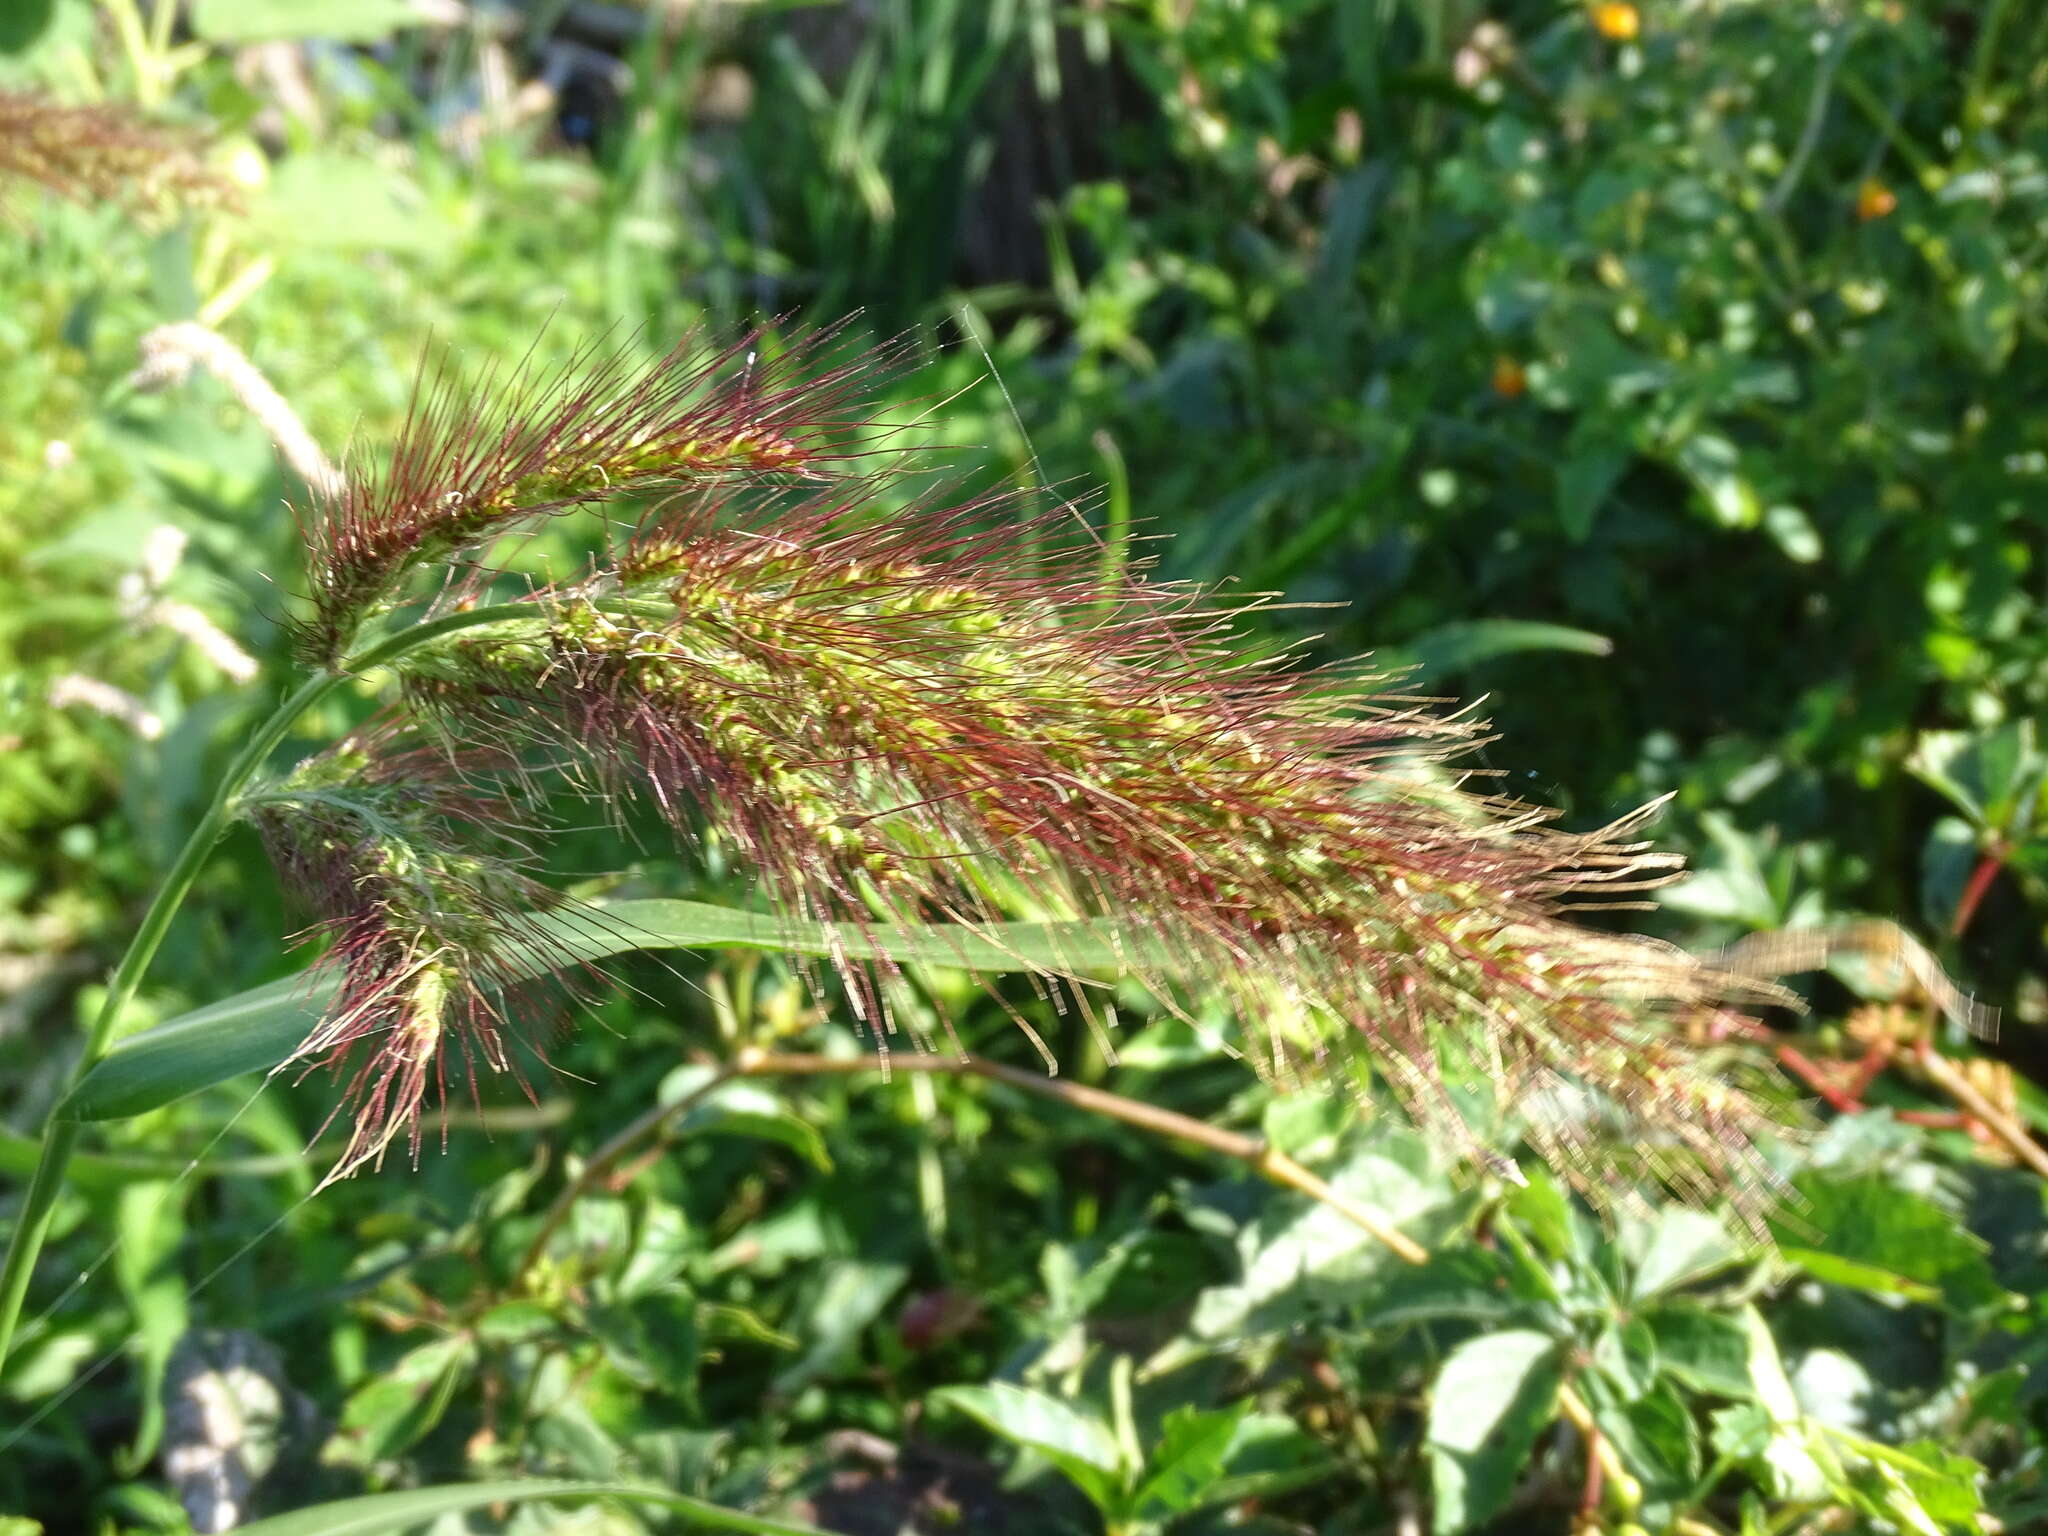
[(1887, 1240)]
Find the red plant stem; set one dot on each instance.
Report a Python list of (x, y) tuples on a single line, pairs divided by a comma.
[(1874, 1061), (1973, 892), (1596, 1476), (1815, 1077)]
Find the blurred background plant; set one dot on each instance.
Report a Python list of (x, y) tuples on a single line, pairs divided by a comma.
[(1658, 371)]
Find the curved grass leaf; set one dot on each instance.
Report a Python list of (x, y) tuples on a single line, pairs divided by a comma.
[(385, 1514), (256, 1030), (1466, 643)]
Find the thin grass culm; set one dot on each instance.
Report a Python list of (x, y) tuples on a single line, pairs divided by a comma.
[(792, 644)]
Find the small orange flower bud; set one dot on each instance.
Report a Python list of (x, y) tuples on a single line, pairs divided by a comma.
[(1619, 23), (1509, 381), (1874, 200)]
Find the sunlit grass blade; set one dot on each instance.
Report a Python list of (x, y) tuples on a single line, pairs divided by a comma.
[(258, 1029), (381, 1514)]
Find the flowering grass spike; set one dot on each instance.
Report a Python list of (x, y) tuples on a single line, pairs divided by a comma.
[(897, 716), (101, 152), (413, 876), (479, 462)]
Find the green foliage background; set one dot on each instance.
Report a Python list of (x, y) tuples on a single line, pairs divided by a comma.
[(1672, 391)]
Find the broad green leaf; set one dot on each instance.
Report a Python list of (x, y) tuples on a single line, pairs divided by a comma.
[(1080, 1447), (1947, 859), (22, 22), (1995, 777), (1470, 1284), (1770, 1433), (1767, 1368), (743, 1109), (1657, 1438), (1185, 1470), (515, 1322), (1707, 1351), (340, 203), (663, 1250), (258, 1030), (1491, 1400), (1299, 1254), (1931, 1486), (784, 1129), (1737, 886), (1675, 1249), (1881, 1238), (1269, 1455), (1793, 532), (388, 1514), (392, 1411), (1988, 304)]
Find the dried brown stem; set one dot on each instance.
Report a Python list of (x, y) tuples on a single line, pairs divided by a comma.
[(1989, 1115)]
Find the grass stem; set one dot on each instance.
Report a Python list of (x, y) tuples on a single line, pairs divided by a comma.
[(60, 1138)]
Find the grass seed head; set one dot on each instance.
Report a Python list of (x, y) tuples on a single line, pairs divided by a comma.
[(102, 152), (475, 463), (899, 717), (412, 876)]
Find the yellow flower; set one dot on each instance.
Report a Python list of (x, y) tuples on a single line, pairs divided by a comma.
[(1617, 22)]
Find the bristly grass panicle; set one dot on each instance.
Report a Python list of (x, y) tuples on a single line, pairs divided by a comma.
[(476, 462), (413, 876), (898, 717), (102, 152)]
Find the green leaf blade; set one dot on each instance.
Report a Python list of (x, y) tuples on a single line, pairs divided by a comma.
[(259, 1030), (386, 1514)]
